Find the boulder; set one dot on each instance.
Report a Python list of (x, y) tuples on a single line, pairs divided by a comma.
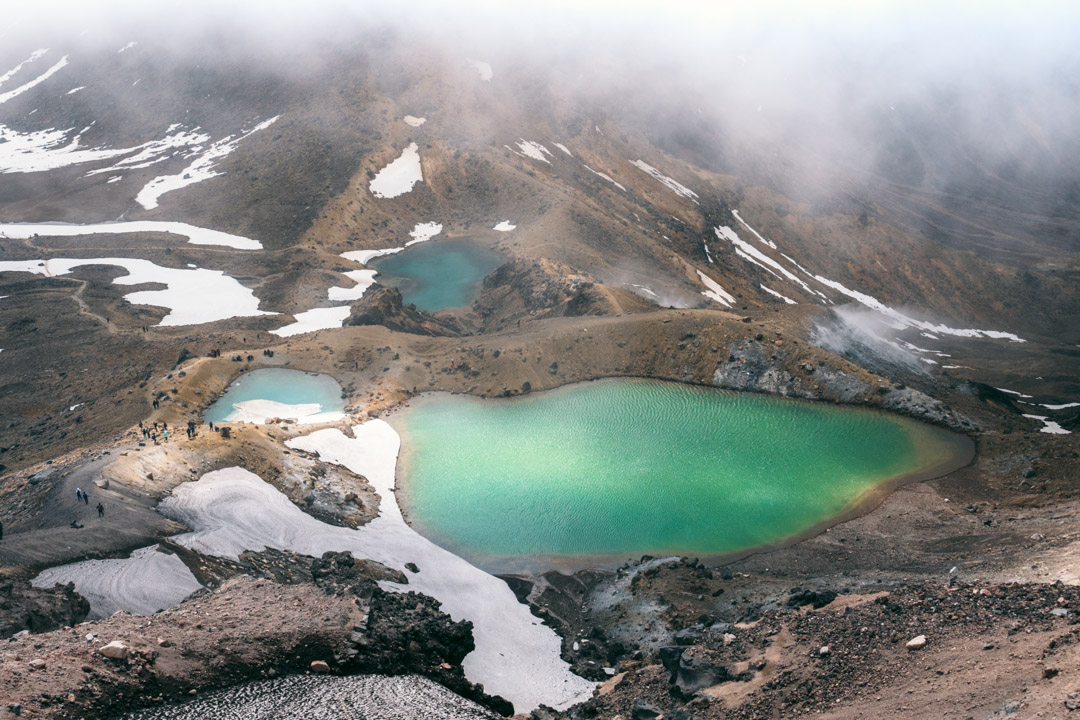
[(115, 650), (318, 666), (916, 643)]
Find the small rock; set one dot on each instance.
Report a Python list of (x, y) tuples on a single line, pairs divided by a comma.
[(1038, 536), (115, 650), (444, 666), (318, 666), (644, 711), (916, 643), (162, 642), (411, 567), (728, 638), (87, 669), (37, 664), (824, 651), (1050, 672)]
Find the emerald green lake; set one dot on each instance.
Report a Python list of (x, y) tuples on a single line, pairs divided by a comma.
[(438, 275), (618, 468)]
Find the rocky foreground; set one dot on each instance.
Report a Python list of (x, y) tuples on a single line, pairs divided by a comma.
[(249, 628)]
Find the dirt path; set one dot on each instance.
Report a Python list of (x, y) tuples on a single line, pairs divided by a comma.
[(130, 521)]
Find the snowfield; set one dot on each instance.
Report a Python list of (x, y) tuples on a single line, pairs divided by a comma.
[(195, 235), (193, 297), (400, 176)]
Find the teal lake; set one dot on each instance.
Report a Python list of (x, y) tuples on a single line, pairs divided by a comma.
[(619, 468), (289, 387), (437, 275)]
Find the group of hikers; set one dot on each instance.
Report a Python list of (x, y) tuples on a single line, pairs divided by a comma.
[(81, 496), (150, 433)]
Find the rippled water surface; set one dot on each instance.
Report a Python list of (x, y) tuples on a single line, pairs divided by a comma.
[(624, 467), (289, 387), (438, 275)]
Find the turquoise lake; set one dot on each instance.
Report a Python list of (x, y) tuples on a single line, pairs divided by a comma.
[(290, 387), (619, 468), (437, 275)]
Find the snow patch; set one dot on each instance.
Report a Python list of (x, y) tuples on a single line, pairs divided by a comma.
[(312, 320), (1061, 407), (195, 235), (143, 583), (4, 97), (901, 321), (33, 56), (482, 68), (676, 187), (770, 243), (750, 253), (786, 299), (202, 168), (414, 121), (365, 256), (531, 149), (363, 279), (715, 292), (564, 149), (423, 231), (504, 226), (258, 412), (605, 176), (1013, 392), (1049, 426), (127, 47), (72, 91), (398, 177), (192, 296)]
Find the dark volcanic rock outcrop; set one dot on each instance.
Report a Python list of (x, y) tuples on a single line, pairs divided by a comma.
[(24, 607), (384, 306)]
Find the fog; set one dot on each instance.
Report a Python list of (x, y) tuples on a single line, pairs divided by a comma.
[(865, 103)]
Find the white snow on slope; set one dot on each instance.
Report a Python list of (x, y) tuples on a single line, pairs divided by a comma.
[(423, 232), (43, 150), (1049, 426), (192, 296), (127, 47), (1061, 407), (72, 91), (195, 235), (770, 243), (365, 256), (715, 292), (259, 412), (531, 149), (564, 149), (1013, 392), (202, 168), (363, 279), (4, 97), (748, 252), (157, 151), (483, 68), (605, 176), (786, 299), (901, 321), (414, 121), (676, 187), (504, 226), (144, 583), (398, 177), (312, 320), (33, 56)]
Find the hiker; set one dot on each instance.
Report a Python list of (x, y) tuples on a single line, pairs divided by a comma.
[(78, 493), (166, 436), (86, 499), (155, 403), (100, 510), (75, 524)]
